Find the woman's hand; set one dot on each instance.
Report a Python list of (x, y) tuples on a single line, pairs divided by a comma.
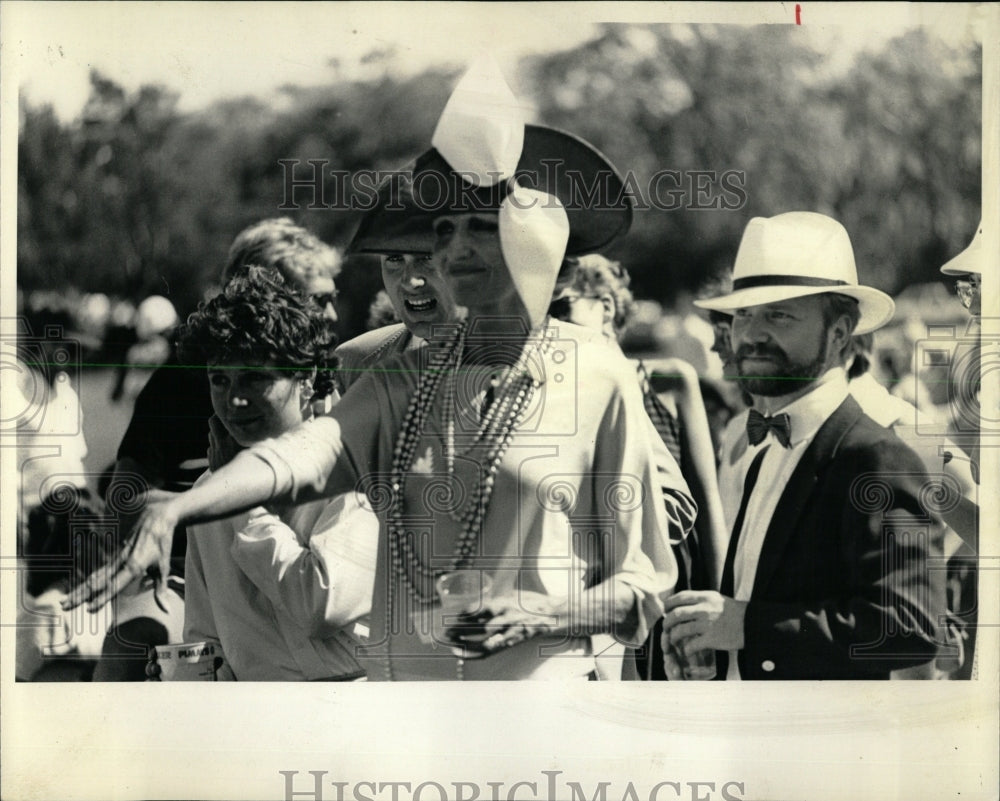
[(42, 632), (514, 617), (149, 546), (511, 619)]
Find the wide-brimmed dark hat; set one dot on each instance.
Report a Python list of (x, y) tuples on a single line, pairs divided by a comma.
[(555, 162)]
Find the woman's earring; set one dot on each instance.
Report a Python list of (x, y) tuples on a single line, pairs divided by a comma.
[(609, 308), (608, 318)]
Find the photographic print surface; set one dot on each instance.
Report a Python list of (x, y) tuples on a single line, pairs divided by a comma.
[(140, 139)]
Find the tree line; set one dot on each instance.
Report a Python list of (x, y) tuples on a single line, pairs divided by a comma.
[(712, 125)]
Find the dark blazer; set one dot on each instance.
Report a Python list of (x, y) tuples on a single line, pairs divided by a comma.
[(850, 582)]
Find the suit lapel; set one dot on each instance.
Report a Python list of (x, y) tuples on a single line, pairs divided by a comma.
[(800, 487)]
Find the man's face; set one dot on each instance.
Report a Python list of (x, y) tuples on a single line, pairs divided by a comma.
[(780, 347), (418, 292), (467, 252), (323, 291), (722, 344)]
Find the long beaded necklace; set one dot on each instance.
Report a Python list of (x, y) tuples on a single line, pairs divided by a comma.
[(512, 399)]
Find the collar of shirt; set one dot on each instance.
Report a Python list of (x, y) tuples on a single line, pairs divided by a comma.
[(866, 390), (810, 411), (806, 414), (885, 408)]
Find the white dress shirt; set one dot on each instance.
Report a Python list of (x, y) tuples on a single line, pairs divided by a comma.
[(288, 597), (806, 415), (733, 466)]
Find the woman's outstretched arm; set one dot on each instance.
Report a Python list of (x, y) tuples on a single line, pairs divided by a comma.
[(298, 466)]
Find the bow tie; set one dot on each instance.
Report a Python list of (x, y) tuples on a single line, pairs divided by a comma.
[(758, 425)]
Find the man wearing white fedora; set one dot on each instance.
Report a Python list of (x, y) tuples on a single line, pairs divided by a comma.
[(829, 570), (967, 270), (966, 374)]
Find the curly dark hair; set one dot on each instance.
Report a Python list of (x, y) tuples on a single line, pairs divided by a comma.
[(256, 319)]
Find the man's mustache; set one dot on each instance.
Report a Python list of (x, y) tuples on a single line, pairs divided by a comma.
[(760, 352)]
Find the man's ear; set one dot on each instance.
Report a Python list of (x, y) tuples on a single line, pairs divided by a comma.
[(840, 334)]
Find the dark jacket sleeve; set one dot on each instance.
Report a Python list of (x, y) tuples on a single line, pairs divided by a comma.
[(887, 568)]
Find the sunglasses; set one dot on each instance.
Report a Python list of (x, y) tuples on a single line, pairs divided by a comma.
[(324, 299)]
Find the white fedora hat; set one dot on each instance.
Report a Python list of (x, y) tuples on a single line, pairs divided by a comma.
[(797, 254), (969, 260)]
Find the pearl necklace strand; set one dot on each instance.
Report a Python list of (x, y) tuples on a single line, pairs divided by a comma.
[(512, 399)]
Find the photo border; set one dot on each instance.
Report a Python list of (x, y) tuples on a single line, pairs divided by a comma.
[(901, 740)]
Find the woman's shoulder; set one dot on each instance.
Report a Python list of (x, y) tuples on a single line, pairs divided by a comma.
[(359, 355), (382, 386), (592, 345), (365, 346), (599, 366)]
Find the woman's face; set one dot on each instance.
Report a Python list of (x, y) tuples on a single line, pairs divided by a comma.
[(418, 292), (467, 252), (589, 311), (255, 402)]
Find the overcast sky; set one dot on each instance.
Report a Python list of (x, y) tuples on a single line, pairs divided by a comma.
[(212, 50)]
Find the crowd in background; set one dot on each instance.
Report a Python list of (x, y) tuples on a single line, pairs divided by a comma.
[(101, 329), (130, 339), (258, 454)]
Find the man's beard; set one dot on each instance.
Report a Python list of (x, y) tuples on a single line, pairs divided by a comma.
[(784, 377)]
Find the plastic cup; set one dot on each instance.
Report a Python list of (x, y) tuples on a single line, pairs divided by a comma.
[(461, 591), (696, 666)]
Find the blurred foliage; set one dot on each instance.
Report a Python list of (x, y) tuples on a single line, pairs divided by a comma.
[(891, 148), (135, 198)]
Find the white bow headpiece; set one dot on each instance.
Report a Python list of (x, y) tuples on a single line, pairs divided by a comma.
[(481, 130), (481, 135)]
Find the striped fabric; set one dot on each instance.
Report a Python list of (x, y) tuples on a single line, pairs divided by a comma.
[(667, 425)]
